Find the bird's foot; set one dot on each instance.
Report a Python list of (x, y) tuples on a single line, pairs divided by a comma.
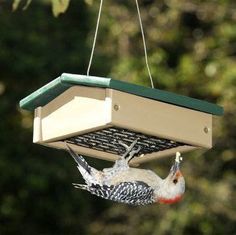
[(130, 151), (133, 153)]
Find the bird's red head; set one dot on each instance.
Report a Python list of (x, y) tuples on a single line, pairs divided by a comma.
[(173, 186)]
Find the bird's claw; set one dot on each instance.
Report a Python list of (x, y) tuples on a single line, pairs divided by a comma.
[(130, 150), (124, 145), (127, 148), (134, 151)]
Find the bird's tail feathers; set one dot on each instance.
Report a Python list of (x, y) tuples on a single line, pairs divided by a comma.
[(79, 160), (89, 173), (80, 186)]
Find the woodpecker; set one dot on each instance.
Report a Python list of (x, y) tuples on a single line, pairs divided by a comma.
[(133, 186)]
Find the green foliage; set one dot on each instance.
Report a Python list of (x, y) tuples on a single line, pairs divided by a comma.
[(191, 46), (16, 4), (58, 6)]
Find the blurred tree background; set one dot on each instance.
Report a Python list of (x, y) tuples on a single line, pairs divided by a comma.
[(192, 51)]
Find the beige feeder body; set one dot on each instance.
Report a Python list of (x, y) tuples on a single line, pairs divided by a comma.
[(92, 114)]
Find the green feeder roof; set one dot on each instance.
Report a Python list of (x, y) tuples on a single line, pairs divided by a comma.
[(53, 89)]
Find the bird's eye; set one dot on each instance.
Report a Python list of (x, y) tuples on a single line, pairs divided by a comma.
[(175, 181)]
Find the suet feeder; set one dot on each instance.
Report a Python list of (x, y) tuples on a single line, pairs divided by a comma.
[(94, 113)]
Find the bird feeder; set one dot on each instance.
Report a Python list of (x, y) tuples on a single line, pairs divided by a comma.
[(93, 114)]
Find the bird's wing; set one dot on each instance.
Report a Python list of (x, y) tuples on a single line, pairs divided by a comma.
[(133, 193)]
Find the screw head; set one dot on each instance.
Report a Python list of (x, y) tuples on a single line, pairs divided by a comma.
[(116, 107), (206, 129)]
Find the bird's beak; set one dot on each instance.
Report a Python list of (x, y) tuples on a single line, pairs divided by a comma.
[(174, 168)]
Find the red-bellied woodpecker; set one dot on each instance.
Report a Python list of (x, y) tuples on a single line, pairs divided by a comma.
[(134, 186)]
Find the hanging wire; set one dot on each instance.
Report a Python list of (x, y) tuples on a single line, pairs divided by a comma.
[(95, 37), (144, 44), (143, 37)]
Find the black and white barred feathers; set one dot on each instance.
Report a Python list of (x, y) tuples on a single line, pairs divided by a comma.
[(133, 193), (132, 186)]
